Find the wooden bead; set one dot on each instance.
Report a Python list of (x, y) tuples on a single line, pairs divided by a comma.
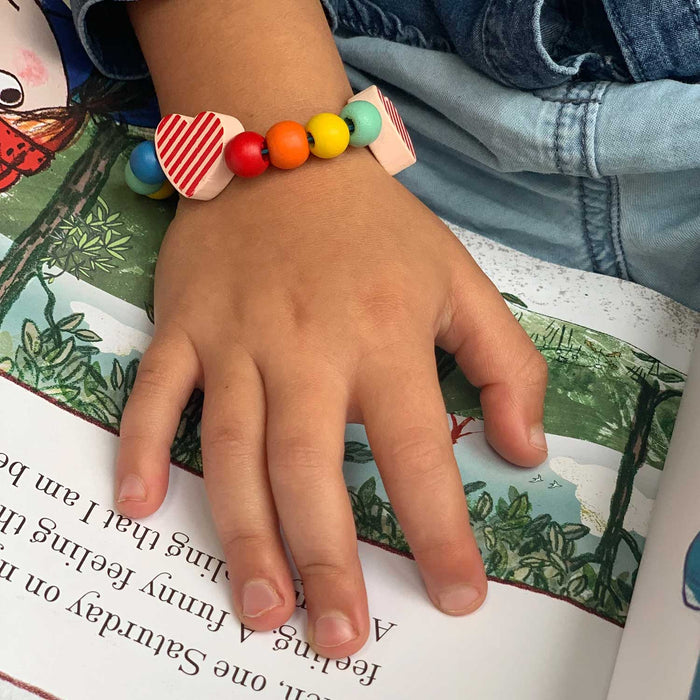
[(191, 152), (393, 147), (144, 163), (243, 154), (330, 135), (366, 122), (288, 145), (139, 186), (167, 190)]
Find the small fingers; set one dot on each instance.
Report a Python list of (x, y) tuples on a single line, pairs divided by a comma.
[(235, 474), (496, 355), (306, 409), (164, 383), (405, 419)]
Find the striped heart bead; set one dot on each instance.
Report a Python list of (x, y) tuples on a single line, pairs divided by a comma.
[(393, 147), (191, 152)]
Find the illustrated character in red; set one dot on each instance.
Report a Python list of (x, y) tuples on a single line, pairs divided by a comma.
[(36, 118)]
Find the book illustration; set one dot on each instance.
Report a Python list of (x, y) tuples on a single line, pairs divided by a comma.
[(691, 597), (116, 593), (69, 330), (80, 124), (35, 119)]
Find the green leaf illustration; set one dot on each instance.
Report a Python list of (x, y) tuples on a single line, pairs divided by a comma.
[(87, 335), (519, 507), (117, 375), (483, 507), (670, 377), (574, 531), (513, 299), (367, 491), (70, 322), (30, 338), (555, 537), (357, 452), (576, 585), (62, 353), (538, 524), (521, 573), (473, 486)]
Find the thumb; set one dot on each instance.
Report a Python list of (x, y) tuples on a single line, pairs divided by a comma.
[(497, 356)]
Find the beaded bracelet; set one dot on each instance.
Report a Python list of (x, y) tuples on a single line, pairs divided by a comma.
[(197, 157)]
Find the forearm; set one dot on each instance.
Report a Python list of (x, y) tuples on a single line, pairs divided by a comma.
[(260, 60)]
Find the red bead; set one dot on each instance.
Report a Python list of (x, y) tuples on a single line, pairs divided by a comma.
[(243, 154)]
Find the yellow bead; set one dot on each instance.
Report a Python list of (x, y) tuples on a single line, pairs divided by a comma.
[(330, 134), (167, 190)]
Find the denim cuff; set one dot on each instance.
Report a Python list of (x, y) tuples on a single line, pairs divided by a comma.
[(658, 38), (331, 14), (109, 39), (519, 44)]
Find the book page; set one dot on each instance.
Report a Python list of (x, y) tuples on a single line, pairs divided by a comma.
[(92, 603), (660, 653), (539, 530)]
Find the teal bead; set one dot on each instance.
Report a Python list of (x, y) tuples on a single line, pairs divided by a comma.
[(144, 163), (366, 120), (139, 186)]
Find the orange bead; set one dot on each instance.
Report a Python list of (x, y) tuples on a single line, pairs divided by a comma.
[(288, 145)]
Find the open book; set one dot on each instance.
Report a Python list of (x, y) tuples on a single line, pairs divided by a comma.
[(95, 605)]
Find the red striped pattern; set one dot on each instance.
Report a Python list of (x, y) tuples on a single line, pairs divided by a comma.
[(187, 151), (397, 121)]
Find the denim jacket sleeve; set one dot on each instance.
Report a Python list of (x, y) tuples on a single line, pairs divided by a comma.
[(109, 39)]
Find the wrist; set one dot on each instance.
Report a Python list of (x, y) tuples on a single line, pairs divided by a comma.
[(281, 192)]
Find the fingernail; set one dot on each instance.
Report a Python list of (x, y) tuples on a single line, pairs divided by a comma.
[(537, 438), (333, 630), (458, 599), (259, 597), (132, 489)]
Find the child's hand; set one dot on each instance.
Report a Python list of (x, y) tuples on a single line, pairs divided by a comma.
[(300, 301)]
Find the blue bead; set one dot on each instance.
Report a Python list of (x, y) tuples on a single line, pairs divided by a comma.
[(137, 185), (144, 163)]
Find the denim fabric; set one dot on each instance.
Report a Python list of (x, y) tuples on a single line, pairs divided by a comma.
[(109, 39), (596, 175), (521, 43)]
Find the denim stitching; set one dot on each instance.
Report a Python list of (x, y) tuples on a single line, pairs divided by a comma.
[(611, 229), (583, 139), (557, 131), (572, 101), (598, 91), (584, 222), (625, 37), (486, 42), (617, 233)]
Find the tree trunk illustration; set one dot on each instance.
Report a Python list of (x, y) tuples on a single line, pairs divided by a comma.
[(76, 195), (634, 456)]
